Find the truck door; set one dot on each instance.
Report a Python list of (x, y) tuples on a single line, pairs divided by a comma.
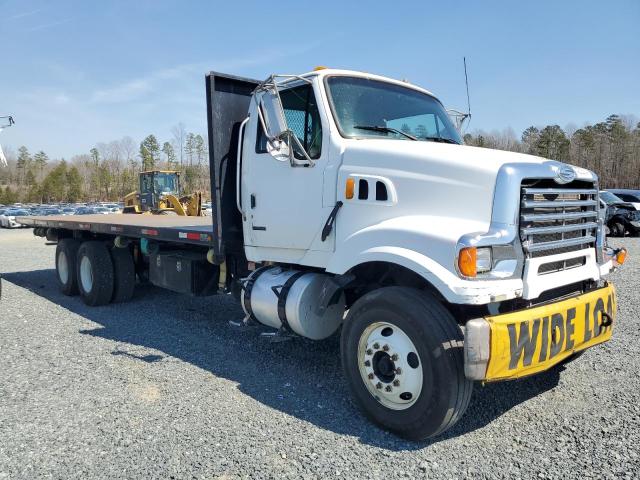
[(283, 203)]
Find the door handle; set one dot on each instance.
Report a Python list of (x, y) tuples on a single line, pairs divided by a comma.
[(239, 165)]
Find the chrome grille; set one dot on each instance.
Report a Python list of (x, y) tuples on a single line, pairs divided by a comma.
[(558, 220)]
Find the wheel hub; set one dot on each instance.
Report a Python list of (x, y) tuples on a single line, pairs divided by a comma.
[(383, 367), (390, 366), (63, 268), (86, 274)]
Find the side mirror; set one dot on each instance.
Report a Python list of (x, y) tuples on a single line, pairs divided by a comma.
[(458, 118), (282, 143), (272, 112)]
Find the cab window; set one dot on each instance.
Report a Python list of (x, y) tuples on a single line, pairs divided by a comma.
[(303, 118)]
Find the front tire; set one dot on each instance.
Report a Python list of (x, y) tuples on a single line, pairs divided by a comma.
[(617, 230), (402, 355), (95, 273)]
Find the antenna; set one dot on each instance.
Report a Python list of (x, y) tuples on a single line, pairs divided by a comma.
[(457, 116), (466, 80)]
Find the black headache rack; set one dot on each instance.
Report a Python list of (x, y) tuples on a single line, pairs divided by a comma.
[(228, 100)]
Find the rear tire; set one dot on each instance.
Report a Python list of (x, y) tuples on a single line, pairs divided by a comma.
[(423, 391), (95, 273), (66, 256), (124, 271)]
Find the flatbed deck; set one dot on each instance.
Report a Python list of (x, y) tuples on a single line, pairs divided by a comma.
[(169, 228)]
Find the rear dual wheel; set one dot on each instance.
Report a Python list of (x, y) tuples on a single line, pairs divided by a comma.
[(402, 354), (100, 275), (66, 255), (95, 273)]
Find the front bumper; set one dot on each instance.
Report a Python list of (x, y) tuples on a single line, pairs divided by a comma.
[(529, 341)]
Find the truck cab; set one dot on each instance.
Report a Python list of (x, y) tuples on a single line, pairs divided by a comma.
[(412, 195)]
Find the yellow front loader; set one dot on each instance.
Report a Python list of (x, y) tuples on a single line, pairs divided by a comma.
[(160, 195)]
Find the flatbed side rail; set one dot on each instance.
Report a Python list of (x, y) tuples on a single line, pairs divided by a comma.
[(193, 235)]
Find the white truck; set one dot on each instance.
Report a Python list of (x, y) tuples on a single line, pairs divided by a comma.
[(347, 202)]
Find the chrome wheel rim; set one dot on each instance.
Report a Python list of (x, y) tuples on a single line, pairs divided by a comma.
[(86, 274), (63, 268), (390, 365)]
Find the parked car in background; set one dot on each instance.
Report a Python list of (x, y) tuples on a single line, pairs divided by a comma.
[(68, 211), (102, 210), (52, 211), (629, 196), (621, 217), (8, 219), (113, 208), (84, 211)]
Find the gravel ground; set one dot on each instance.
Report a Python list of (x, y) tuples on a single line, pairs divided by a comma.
[(164, 387)]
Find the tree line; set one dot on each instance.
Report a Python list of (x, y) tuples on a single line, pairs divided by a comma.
[(107, 172), (110, 170), (610, 148)]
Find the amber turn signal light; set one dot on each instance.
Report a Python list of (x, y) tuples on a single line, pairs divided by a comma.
[(467, 259), (348, 191), (621, 256)]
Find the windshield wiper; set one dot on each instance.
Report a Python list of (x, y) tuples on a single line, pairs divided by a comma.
[(441, 140), (376, 128)]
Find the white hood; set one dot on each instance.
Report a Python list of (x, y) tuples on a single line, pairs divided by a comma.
[(453, 180)]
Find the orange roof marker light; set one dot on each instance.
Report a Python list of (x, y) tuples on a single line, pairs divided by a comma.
[(319, 67)]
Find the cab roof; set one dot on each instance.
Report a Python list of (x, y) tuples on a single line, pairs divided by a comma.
[(327, 72)]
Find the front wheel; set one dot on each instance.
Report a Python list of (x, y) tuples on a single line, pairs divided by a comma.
[(402, 354), (617, 229)]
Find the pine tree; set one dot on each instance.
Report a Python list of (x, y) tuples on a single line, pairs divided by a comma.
[(200, 150), (30, 178), (40, 159), (23, 162), (169, 152), (74, 185), (149, 152), (530, 138), (190, 147), (553, 143)]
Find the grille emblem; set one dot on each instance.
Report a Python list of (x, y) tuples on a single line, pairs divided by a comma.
[(566, 174)]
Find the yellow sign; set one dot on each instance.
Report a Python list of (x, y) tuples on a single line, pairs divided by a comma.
[(532, 340)]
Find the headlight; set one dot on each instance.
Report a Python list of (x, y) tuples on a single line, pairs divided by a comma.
[(483, 260)]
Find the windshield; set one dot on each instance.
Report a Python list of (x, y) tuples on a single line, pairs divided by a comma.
[(609, 198), (361, 102), (165, 183), (629, 197)]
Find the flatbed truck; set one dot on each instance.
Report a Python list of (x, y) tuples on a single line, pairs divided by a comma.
[(346, 202)]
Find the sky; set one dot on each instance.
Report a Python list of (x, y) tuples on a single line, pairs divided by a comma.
[(75, 73)]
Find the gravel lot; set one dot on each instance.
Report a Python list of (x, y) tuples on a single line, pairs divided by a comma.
[(164, 387)]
